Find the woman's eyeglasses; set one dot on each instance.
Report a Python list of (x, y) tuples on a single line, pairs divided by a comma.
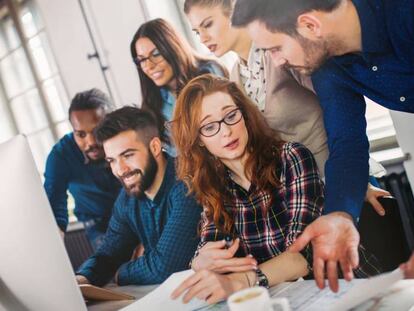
[(155, 57), (212, 128)]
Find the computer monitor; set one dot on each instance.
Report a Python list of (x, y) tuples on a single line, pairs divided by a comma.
[(35, 271)]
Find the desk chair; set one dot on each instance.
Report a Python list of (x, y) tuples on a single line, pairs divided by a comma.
[(400, 188), (384, 235), (78, 247)]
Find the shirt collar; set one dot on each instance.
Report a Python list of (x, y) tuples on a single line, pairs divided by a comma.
[(86, 160), (372, 20), (233, 187), (167, 96)]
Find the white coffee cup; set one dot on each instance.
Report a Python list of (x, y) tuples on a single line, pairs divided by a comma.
[(257, 299)]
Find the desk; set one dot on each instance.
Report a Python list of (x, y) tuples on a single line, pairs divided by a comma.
[(398, 297), (136, 291)]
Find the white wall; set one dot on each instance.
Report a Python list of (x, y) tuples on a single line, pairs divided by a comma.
[(404, 127), (117, 22), (167, 9), (114, 23)]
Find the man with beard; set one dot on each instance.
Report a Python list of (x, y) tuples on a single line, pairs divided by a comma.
[(351, 49), (76, 164), (153, 208)]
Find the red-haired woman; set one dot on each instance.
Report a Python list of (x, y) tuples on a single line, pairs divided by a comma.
[(255, 188)]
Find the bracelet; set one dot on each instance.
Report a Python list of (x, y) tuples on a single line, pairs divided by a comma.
[(261, 279), (248, 280)]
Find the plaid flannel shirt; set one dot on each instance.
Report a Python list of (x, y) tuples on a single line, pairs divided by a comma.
[(266, 232)]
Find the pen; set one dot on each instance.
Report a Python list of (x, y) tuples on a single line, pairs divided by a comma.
[(228, 240)]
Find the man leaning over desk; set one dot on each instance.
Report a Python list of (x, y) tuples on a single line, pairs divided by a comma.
[(76, 164), (352, 49)]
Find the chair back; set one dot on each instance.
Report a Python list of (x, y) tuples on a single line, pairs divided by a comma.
[(384, 235)]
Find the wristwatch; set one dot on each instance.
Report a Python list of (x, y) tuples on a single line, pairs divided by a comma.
[(261, 279)]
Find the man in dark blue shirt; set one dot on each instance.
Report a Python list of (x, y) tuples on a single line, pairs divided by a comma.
[(76, 164), (153, 208), (352, 49)]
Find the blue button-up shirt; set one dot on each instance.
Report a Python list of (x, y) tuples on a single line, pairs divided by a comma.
[(383, 72), (93, 186), (166, 226)]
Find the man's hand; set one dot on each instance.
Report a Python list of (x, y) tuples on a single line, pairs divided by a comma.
[(372, 195), (138, 252), (81, 279), (62, 234), (408, 268), (334, 239), (215, 257)]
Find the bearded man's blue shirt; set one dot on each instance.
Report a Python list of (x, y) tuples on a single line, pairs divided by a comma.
[(166, 226), (384, 72)]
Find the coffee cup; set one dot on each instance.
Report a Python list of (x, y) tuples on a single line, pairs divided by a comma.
[(257, 299)]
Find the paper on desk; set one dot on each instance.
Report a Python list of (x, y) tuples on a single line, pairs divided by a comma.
[(364, 291), (159, 299)]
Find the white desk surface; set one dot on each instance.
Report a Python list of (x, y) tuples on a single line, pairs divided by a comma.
[(399, 297), (136, 291)]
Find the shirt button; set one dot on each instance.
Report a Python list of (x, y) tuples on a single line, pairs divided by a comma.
[(374, 68), (402, 99)]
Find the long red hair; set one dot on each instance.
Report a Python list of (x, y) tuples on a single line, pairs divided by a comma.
[(204, 175)]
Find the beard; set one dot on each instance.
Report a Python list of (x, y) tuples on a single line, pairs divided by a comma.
[(317, 53), (147, 177), (94, 153)]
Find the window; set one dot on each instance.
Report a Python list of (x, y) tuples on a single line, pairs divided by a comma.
[(381, 134), (33, 100)]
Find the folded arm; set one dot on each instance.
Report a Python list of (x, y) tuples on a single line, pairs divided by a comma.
[(117, 248), (175, 247)]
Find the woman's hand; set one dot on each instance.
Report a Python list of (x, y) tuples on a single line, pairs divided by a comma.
[(215, 257), (372, 195), (211, 286), (408, 268)]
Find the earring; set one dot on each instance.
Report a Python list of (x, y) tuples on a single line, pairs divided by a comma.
[(217, 162)]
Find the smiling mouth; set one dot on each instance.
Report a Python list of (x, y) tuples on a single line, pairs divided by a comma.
[(212, 47), (130, 178), (157, 75), (93, 151)]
